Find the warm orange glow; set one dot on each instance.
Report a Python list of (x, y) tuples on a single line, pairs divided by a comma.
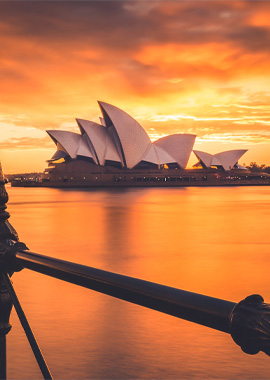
[(176, 237), (58, 161), (182, 67)]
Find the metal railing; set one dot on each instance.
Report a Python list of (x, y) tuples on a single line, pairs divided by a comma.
[(248, 322)]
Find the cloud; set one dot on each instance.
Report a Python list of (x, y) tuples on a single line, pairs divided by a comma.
[(25, 143), (150, 58), (251, 38), (129, 25), (11, 130), (237, 137)]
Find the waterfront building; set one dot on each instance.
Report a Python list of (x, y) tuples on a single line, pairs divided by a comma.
[(120, 141), (119, 152), (224, 160)]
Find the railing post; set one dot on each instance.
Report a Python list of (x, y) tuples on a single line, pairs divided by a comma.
[(8, 236), (8, 244), (5, 326)]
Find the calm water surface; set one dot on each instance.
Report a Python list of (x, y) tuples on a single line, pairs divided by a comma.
[(213, 241)]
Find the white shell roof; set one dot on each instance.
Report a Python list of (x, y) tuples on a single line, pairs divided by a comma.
[(111, 153), (83, 149), (158, 156), (68, 140), (206, 158), (215, 161), (151, 156), (97, 135), (178, 146), (134, 141), (57, 155), (229, 158), (100, 141), (102, 121), (225, 159), (120, 138), (241, 167), (163, 156)]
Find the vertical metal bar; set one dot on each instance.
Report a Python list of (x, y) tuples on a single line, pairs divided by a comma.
[(30, 336), (5, 326), (7, 234), (3, 358)]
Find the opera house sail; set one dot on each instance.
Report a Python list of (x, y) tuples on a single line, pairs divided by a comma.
[(118, 152)]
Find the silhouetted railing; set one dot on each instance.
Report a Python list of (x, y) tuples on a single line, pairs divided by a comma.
[(208, 311), (246, 321)]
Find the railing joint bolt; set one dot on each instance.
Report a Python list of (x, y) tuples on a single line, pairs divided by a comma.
[(250, 325)]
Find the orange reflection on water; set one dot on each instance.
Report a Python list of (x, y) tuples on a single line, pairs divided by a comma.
[(212, 241)]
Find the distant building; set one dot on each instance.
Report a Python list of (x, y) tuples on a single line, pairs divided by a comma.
[(118, 152), (120, 141), (223, 160)]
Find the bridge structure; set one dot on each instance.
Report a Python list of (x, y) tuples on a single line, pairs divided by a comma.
[(248, 321)]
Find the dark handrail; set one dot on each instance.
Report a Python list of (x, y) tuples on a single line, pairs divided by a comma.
[(248, 322), (208, 311)]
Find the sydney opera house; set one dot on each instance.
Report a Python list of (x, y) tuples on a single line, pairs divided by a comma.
[(118, 152)]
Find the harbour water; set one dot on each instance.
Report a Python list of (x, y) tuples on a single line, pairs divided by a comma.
[(213, 241)]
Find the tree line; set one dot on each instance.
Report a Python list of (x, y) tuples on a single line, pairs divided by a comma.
[(255, 168)]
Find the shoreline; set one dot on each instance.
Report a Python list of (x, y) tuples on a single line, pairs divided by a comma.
[(79, 184)]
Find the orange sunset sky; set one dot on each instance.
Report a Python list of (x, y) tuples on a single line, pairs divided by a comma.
[(198, 67)]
